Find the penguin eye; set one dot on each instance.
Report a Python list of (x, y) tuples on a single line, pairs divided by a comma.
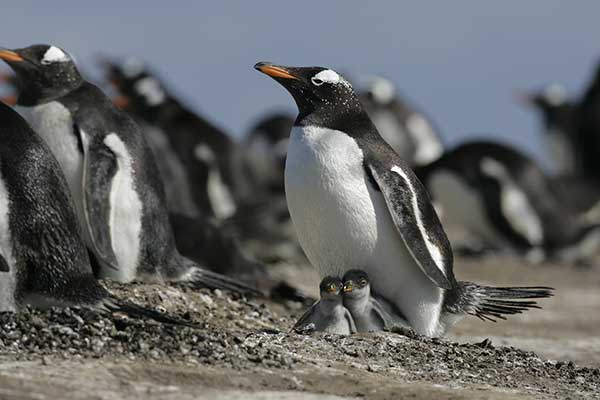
[(332, 287), (363, 282), (316, 81)]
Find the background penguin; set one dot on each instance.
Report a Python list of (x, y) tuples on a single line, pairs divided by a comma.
[(328, 314), (43, 261), (503, 197), (214, 162), (356, 204), (410, 133), (370, 313), (110, 171), (558, 114), (266, 145)]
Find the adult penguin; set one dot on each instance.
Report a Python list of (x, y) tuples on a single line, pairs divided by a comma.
[(110, 171)]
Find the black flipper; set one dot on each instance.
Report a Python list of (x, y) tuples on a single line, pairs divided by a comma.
[(4, 265), (100, 166), (492, 303), (300, 326)]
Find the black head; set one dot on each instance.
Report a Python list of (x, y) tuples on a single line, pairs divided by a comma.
[(142, 91), (356, 283), (550, 98), (330, 287), (44, 72), (322, 95)]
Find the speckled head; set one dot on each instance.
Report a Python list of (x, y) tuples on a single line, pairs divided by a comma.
[(44, 72), (321, 94)]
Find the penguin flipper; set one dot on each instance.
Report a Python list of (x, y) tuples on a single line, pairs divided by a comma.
[(100, 166), (4, 265), (415, 219), (350, 321), (300, 325)]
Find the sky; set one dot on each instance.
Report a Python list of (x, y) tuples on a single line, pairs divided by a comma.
[(459, 61)]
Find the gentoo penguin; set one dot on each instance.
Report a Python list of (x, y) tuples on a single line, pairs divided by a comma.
[(502, 197), (266, 145), (558, 114), (410, 132), (43, 261), (328, 314), (356, 204), (588, 126), (370, 313), (214, 162), (110, 171)]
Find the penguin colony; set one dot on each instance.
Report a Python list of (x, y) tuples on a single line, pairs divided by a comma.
[(140, 187)]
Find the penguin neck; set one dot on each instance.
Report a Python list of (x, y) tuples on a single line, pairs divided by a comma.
[(353, 121), (31, 95)]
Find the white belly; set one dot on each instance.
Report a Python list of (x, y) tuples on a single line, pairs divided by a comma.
[(125, 220), (342, 223), (8, 280), (52, 121)]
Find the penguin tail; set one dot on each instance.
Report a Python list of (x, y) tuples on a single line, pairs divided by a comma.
[(113, 304), (492, 303), (202, 278)]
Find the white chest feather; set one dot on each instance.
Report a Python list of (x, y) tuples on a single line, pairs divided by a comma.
[(125, 212), (428, 147), (342, 223), (53, 122), (515, 204), (219, 194), (8, 280)]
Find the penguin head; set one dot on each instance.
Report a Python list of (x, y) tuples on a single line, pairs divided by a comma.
[(317, 91), (356, 284), (331, 288), (380, 91), (44, 72), (142, 91)]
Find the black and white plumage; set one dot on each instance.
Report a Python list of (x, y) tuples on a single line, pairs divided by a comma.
[(411, 134), (371, 313), (214, 162), (110, 171), (503, 198), (44, 261), (559, 115), (328, 314), (356, 204)]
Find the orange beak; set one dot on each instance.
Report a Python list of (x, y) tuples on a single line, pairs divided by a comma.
[(8, 55), (274, 71), (11, 100), (348, 287), (121, 101)]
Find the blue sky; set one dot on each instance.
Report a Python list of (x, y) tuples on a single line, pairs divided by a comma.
[(458, 60)]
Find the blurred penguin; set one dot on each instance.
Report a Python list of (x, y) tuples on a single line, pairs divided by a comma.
[(410, 133)]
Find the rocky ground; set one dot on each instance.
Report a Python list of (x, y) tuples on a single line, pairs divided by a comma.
[(243, 348)]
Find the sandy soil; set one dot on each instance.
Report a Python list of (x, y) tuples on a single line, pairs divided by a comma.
[(243, 348)]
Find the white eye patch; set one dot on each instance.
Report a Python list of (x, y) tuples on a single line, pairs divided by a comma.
[(151, 90), (132, 67), (54, 54), (383, 90), (555, 94), (326, 76)]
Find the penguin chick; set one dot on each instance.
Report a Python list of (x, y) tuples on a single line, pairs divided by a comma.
[(328, 314), (370, 312)]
